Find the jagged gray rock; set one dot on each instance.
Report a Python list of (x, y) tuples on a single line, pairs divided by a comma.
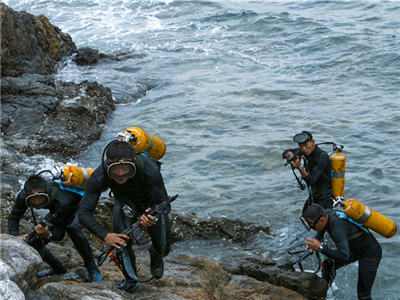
[(63, 118), (185, 278), (42, 117), (10, 290), (18, 265), (30, 44)]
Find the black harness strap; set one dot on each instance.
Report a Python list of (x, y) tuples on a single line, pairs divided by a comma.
[(333, 215)]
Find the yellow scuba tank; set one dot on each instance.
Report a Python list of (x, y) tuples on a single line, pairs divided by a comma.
[(338, 170), (146, 143), (369, 218), (74, 176)]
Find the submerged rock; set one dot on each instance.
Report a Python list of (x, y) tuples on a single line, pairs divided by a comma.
[(87, 56)]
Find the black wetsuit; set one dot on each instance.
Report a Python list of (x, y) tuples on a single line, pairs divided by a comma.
[(353, 244), (65, 204), (145, 189), (319, 179)]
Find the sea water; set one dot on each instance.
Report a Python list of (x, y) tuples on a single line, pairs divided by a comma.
[(226, 85)]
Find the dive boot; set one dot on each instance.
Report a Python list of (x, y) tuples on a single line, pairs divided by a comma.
[(60, 269), (128, 285), (156, 264), (94, 273)]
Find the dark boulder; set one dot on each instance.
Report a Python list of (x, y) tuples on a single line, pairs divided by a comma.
[(42, 117), (30, 44), (87, 56), (189, 226)]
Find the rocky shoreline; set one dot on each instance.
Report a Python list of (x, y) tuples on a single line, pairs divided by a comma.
[(44, 118)]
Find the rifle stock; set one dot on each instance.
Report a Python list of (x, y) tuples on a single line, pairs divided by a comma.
[(158, 209)]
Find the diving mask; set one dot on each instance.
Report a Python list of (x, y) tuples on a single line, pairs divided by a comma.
[(302, 138), (37, 200), (309, 225), (121, 169)]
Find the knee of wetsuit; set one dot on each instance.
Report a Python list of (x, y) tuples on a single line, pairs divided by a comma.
[(60, 236), (73, 229), (73, 226), (35, 241)]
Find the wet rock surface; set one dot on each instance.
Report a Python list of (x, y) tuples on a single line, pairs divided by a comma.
[(185, 278), (241, 276), (40, 117), (63, 117), (30, 44)]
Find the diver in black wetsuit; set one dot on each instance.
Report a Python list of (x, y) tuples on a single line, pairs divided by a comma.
[(353, 243), (317, 169), (138, 186), (40, 194)]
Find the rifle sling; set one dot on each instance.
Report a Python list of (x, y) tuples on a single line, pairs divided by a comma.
[(333, 215), (163, 235), (125, 261)]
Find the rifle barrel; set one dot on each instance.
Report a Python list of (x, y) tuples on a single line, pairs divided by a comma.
[(103, 256), (297, 251)]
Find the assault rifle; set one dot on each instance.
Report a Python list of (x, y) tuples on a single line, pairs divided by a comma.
[(131, 229), (295, 155), (35, 240), (303, 256), (327, 265)]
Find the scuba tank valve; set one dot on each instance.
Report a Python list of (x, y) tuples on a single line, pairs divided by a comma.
[(143, 142)]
